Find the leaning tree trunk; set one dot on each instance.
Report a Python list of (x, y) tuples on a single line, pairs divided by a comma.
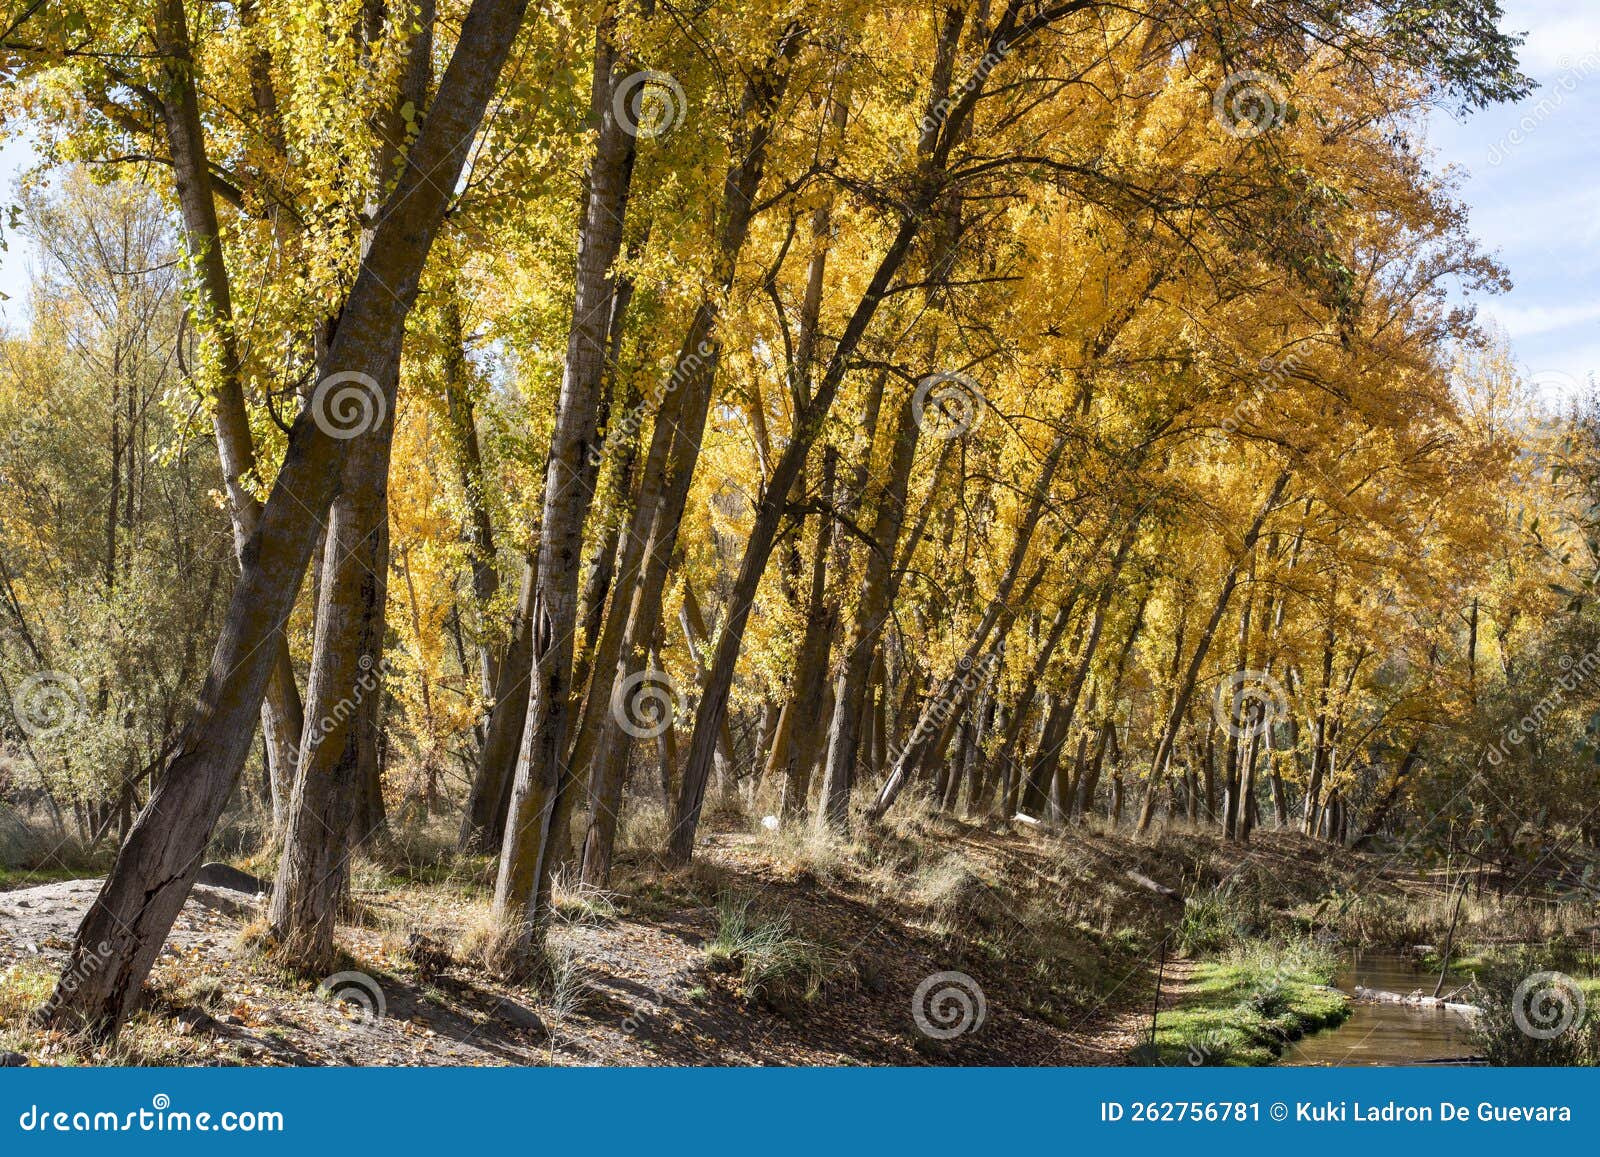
[(958, 684), (758, 550), (281, 711), (123, 931)]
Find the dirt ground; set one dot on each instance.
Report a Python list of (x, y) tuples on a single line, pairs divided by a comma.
[(637, 986)]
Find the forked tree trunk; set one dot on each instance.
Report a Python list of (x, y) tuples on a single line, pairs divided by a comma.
[(669, 471), (124, 929)]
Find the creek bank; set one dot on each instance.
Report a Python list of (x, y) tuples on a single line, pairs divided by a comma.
[(1247, 1006)]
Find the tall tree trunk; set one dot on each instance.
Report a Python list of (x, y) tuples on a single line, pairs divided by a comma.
[(338, 794), (852, 694), (1322, 742), (803, 715), (664, 487), (156, 866), (483, 821), (697, 635), (474, 489), (1091, 780), (1005, 760), (534, 830)]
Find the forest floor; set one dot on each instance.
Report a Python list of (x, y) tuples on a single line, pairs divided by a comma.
[(773, 948)]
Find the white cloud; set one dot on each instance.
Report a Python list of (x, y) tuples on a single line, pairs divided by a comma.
[(1559, 32), (1522, 321)]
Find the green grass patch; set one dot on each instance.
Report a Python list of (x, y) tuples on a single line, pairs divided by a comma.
[(774, 963), (1243, 1008), (12, 879)]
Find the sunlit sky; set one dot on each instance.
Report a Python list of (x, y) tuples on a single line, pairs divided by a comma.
[(1528, 173)]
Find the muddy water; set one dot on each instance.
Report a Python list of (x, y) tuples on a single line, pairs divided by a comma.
[(1386, 1034)]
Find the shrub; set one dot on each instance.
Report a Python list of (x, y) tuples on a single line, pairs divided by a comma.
[(1535, 1015)]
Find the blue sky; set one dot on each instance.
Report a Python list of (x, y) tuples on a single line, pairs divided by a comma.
[(1529, 177), (1527, 172)]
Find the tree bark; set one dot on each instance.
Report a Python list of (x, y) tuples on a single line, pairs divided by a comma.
[(534, 820), (124, 929), (338, 791), (282, 716), (804, 714), (669, 471)]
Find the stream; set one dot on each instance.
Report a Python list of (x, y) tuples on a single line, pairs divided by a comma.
[(1387, 1034)]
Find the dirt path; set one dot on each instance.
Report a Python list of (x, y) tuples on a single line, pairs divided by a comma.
[(637, 991)]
